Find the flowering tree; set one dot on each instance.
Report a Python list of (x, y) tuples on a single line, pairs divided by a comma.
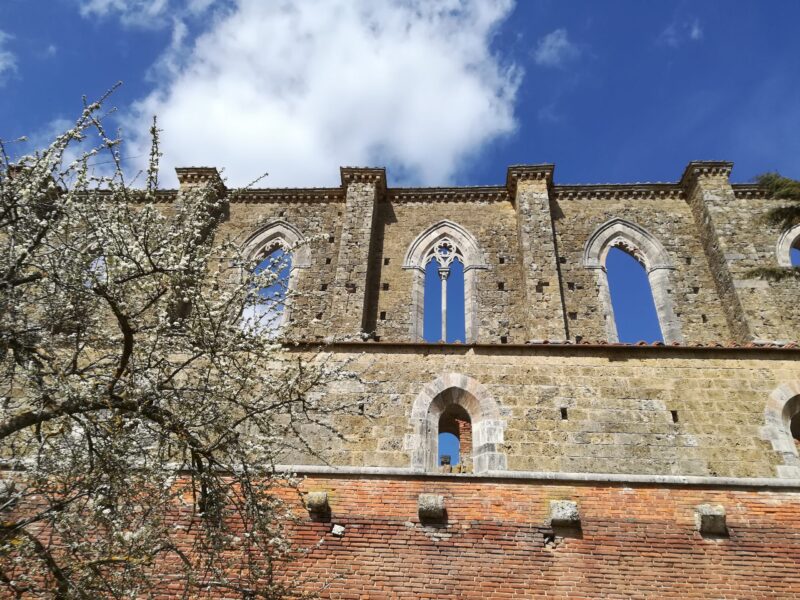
[(138, 418)]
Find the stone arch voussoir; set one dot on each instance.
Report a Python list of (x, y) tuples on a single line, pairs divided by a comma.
[(786, 242), (782, 406), (487, 425)]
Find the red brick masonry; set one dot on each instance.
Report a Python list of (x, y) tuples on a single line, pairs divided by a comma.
[(637, 541)]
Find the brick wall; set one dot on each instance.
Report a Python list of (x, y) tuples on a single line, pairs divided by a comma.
[(635, 541)]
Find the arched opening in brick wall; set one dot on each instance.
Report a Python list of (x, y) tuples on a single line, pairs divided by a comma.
[(455, 438), (648, 251), (457, 405)]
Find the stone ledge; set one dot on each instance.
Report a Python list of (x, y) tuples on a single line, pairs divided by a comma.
[(551, 476)]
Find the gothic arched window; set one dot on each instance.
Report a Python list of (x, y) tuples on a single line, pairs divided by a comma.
[(648, 251), (444, 260), (275, 253), (635, 314), (444, 312), (267, 310)]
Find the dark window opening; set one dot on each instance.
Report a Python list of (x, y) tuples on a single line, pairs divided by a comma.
[(502, 260), (564, 416), (385, 261), (501, 285), (632, 299), (455, 440), (385, 287), (328, 260), (383, 315), (674, 414)]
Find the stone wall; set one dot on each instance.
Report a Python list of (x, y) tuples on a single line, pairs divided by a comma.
[(533, 282), (646, 410)]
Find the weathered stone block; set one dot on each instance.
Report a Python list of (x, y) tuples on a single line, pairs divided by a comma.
[(711, 519), (564, 513), (431, 507), (317, 502)]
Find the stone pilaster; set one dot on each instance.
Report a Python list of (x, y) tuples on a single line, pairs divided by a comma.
[(352, 282), (709, 193), (529, 188)]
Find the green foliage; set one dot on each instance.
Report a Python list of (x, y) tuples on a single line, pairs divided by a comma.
[(783, 217), (775, 273), (781, 188)]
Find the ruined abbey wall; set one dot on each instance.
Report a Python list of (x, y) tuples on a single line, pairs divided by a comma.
[(533, 282), (654, 411), (544, 389)]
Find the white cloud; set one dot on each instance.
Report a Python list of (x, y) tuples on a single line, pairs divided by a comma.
[(555, 49), (695, 31), (676, 34), (138, 13), (8, 61), (300, 88)]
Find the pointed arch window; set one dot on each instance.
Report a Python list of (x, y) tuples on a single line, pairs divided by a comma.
[(444, 261), (648, 251), (276, 252), (445, 303), (268, 307), (635, 315)]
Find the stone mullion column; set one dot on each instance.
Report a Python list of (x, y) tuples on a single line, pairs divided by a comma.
[(363, 189), (444, 272), (529, 187), (709, 192)]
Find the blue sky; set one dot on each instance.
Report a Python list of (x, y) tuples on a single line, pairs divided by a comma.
[(441, 93)]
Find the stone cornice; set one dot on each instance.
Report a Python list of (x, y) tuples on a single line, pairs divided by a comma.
[(456, 194), (749, 191), (268, 195), (376, 175), (701, 169), (538, 172), (199, 176), (625, 191)]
